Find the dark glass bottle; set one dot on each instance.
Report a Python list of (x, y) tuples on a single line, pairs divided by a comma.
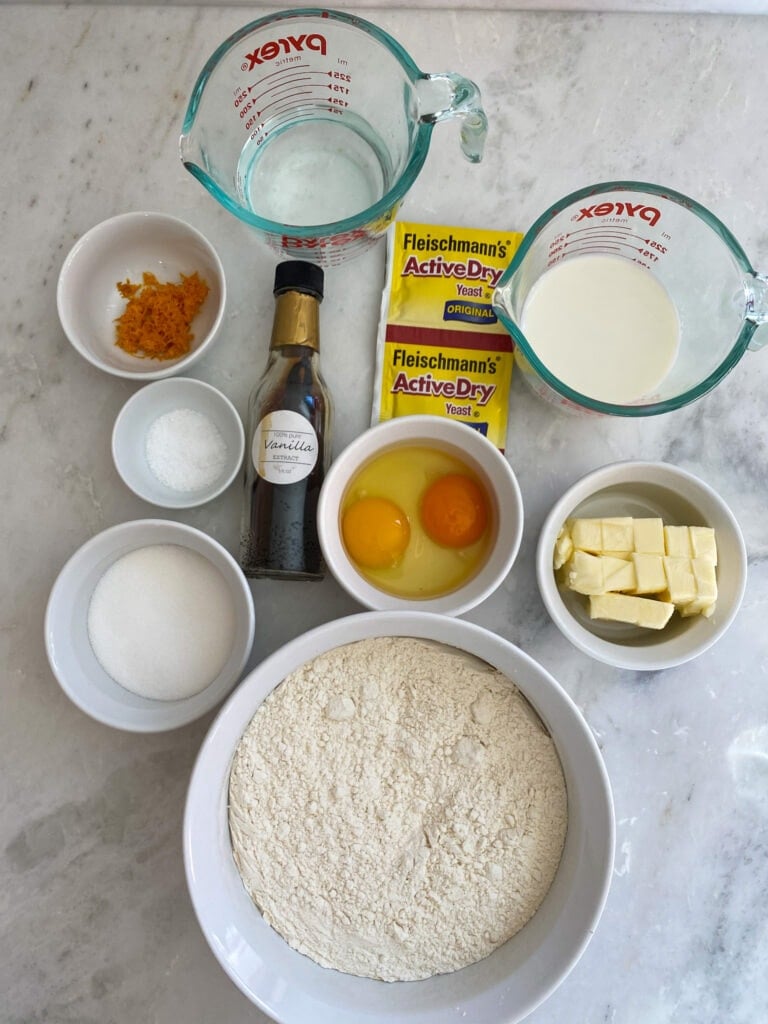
[(288, 439)]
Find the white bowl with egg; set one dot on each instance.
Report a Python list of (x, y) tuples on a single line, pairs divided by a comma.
[(178, 443), (72, 631), (454, 440), (644, 490), (124, 247), (508, 983)]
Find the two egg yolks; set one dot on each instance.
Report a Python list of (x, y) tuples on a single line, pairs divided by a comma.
[(453, 512)]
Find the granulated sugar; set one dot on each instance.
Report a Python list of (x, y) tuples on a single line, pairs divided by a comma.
[(185, 450), (162, 622)]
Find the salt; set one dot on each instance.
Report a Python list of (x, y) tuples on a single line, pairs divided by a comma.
[(185, 450), (161, 622)]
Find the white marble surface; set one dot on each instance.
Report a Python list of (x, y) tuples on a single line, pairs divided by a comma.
[(95, 923)]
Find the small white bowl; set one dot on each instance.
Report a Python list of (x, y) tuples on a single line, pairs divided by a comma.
[(505, 986), (479, 455), (134, 420), (124, 247), (66, 629), (638, 489)]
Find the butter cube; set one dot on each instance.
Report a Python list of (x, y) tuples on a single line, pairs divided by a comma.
[(618, 535), (681, 583), (598, 574), (563, 547), (703, 544), (706, 586), (618, 574), (677, 541), (649, 536), (638, 611), (587, 535), (649, 573)]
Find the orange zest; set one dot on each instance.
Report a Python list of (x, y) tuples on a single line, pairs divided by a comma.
[(156, 322)]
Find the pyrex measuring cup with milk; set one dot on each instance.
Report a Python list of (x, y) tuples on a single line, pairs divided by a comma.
[(311, 125), (631, 299)]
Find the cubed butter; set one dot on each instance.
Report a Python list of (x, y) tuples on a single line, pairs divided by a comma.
[(638, 611), (706, 586), (681, 583), (587, 535), (618, 535), (618, 574), (677, 541), (563, 547), (649, 573), (649, 536), (703, 544), (597, 574)]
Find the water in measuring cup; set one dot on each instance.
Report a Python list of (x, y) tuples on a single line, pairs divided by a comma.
[(604, 326), (314, 171)]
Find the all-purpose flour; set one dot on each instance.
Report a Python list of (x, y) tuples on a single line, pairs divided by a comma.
[(396, 809)]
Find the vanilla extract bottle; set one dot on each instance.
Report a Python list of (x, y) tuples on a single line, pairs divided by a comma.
[(288, 440)]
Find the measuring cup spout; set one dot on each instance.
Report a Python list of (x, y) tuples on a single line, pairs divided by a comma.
[(443, 96)]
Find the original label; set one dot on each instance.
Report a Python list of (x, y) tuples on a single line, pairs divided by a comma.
[(285, 447)]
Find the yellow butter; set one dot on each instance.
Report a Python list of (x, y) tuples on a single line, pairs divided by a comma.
[(637, 611), (563, 547), (703, 544), (649, 573), (649, 536), (441, 349), (598, 574), (677, 541)]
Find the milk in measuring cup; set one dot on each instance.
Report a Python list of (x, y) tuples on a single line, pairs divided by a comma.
[(604, 326)]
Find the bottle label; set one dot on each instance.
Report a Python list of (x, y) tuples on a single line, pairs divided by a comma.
[(285, 447)]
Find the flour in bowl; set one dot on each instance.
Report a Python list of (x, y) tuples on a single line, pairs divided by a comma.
[(397, 810)]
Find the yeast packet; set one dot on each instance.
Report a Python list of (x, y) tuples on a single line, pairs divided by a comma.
[(440, 348)]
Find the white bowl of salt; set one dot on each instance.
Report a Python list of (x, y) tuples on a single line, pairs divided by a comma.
[(149, 625), (178, 443)]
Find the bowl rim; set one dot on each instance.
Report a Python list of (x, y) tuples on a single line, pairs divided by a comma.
[(171, 714), (640, 659), (203, 844), (206, 494), (110, 223), (475, 448)]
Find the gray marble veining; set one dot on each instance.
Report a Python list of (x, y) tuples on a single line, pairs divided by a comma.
[(95, 922)]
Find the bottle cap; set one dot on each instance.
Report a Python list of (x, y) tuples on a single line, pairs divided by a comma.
[(299, 276)]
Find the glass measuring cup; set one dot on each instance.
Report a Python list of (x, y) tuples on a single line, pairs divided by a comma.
[(720, 300), (311, 125)]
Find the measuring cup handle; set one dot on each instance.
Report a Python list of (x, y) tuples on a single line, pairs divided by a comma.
[(757, 309), (443, 96)]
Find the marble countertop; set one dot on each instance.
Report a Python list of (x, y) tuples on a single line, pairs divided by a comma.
[(96, 926)]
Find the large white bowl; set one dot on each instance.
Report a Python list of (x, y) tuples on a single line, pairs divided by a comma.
[(461, 441), (124, 247), (500, 989), (66, 629), (680, 499)]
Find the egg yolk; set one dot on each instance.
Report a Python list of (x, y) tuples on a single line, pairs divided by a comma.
[(376, 532), (454, 511)]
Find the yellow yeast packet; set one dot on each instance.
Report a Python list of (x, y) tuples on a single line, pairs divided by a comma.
[(440, 347)]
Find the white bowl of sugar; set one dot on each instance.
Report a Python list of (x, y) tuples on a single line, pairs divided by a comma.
[(149, 625), (178, 443)]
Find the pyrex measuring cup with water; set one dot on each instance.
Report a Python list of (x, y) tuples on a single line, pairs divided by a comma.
[(720, 301), (311, 125)]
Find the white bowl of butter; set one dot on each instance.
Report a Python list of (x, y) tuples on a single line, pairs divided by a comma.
[(641, 565)]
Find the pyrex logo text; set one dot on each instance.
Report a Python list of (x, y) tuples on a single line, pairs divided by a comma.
[(647, 213), (272, 49)]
